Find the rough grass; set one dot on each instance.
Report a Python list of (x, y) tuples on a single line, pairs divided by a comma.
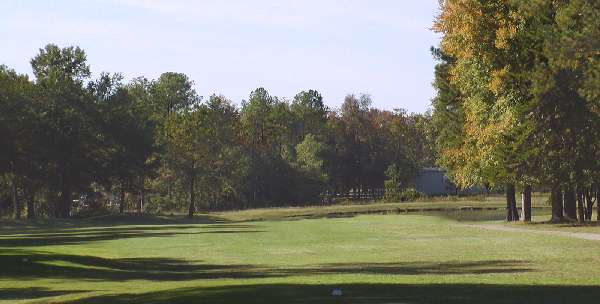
[(295, 256)]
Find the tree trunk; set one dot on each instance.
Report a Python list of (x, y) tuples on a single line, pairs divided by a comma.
[(508, 207), (30, 203), (66, 200), (511, 204), (598, 202), (557, 205), (192, 207), (170, 190), (142, 200), (589, 198), (254, 175), (15, 199), (580, 205), (570, 203), (122, 199), (526, 203)]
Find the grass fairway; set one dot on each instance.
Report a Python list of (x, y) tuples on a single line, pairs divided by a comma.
[(405, 258)]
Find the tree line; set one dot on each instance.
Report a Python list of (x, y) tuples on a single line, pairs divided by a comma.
[(518, 101), (156, 145)]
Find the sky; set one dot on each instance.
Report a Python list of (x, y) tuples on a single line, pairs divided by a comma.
[(230, 47)]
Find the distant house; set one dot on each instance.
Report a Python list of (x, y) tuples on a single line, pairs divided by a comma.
[(434, 182)]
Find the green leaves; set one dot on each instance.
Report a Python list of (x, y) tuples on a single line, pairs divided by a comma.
[(523, 70), (309, 154), (158, 141), (55, 66), (173, 92)]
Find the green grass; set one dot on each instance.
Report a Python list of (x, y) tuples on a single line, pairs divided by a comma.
[(296, 255)]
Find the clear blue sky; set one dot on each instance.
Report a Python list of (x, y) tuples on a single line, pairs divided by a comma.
[(229, 47)]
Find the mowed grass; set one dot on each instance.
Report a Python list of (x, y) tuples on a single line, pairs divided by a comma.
[(249, 257)]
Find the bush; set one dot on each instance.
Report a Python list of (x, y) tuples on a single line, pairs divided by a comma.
[(406, 195), (92, 208), (157, 204), (410, 194)]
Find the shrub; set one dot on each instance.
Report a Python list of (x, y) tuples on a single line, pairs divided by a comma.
[(92, 208), (410, 194)]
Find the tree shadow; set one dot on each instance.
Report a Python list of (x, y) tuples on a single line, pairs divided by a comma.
[(470, 215), (362, 294), (566, 224), (22, 265), (72, 236), (424, 268), (41, 225), (33, 293), (479, 214)]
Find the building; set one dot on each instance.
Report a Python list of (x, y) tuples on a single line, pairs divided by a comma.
[(434, 182)]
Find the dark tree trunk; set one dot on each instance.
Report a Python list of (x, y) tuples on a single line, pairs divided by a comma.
[(580, 205), (253, 181), (30, 203), (170, 191), (122, 199), (512, 213), (15, 198), (526, 203), (508, 207), (557, 204), (570, 203), (142, 200), (515, 210), (598, 202), (66, 200), (192, 207)]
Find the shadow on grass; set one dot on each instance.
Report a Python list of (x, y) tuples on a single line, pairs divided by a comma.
[(41, 225), (20, 265), (567, 224), (32, 293), (38, 265), (70, 236), (470, 215), (485, 215), (363, 294), (423, 268)]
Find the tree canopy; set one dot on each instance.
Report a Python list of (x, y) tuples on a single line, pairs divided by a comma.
[(156, 145), (514, 81)]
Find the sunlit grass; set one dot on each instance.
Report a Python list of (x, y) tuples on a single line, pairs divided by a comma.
[(233, 257)]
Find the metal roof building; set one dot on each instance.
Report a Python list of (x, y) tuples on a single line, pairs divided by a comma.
[(434, 182)]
